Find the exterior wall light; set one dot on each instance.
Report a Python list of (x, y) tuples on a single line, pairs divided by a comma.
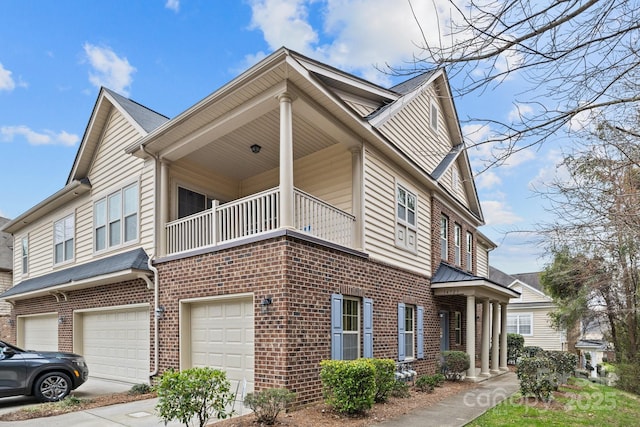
[(255, 148), (264, 304)]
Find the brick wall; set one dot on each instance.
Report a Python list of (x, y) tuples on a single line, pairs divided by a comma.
[(437, 210)]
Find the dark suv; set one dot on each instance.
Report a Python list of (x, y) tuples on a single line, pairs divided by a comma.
[(47, 375)]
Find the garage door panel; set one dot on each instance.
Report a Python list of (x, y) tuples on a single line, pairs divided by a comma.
[(40, 332), (116, 344)]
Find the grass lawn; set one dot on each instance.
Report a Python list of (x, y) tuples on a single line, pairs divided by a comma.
[(581, 403)]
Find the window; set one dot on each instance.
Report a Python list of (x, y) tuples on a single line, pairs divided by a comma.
[(25, 255), (347, 329), (115, 218), (444, 237), (410, 332), (457, 243), (469, 251), (63, 234), (191, 202), (434, 116), (520, 323), (406, 218), (457, 327)]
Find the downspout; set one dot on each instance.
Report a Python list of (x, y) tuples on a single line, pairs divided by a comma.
[(157, 311)]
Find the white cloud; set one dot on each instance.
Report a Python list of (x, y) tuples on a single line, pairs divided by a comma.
[(363, 33), (519, 112), (487, 180), (109, 69), (173, 5), (499, 213), (6, 81), (7, 134)]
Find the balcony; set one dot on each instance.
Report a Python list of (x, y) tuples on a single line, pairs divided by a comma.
[(254, 215)]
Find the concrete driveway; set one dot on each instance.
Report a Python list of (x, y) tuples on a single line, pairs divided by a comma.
[(92, 388)]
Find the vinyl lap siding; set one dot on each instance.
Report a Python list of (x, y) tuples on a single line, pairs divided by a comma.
[(543, 334), (380, 219), (409, 129), (482, 260)]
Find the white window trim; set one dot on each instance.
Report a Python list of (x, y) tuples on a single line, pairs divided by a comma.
[(403, 223), (104, 195), (457, 244), (519, 315), (457, 328), (176, 184), (433, 124), (357, 332), (412, 333), (444, 237), (24, 255), (469, 251), (73, 237)]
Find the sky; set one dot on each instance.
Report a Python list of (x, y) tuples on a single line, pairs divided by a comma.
[(169, 54)]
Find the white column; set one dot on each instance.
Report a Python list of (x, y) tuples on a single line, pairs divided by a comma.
[(163, 200), (471, 335), (495, 333), (486, 323), (356, 196), (286, 162), (503, 337)]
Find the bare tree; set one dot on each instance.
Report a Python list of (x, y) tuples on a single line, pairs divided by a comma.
[(580, 59), (596, 235)]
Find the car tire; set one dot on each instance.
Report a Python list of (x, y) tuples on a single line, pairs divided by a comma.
[(52, 386)]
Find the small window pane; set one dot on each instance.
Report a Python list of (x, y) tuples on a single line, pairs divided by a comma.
[(130, 228), (68, 250), (411, 219), (402, 212), (100, 238), (114, 233), (131, 200), (99, 213), (58, 232), (115, 206), (350, 346), (411, 202), (58, 252)]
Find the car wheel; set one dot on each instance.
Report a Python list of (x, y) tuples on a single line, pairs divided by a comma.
[(52, 387)]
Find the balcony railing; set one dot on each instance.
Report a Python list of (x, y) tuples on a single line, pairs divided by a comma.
[(256, 214)]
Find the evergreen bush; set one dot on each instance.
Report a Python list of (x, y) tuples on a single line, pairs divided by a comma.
[(455, 364), (515, 345), (267, 404), (349, 386)]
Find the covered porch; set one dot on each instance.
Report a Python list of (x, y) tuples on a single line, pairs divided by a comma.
[(451, 281)]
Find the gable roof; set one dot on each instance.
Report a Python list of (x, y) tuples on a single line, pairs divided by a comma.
[(128, 264), (450, 278), (530, 280), (142, 118)]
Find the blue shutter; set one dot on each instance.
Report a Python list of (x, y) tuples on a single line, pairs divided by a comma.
[(420, 327), (401, 336), (368, 327), (336, 327)]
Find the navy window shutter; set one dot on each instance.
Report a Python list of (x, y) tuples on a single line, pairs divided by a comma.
[(368, 327), (336, 327), (420, 331), (401, 332)]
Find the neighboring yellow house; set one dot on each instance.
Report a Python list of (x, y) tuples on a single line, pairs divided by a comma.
[(6, 279), (528, 315)]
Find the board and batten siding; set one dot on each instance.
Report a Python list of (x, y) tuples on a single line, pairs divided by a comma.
[(380, 216), (409, 129)]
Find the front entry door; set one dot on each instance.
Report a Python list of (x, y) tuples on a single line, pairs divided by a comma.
[(444, 330)]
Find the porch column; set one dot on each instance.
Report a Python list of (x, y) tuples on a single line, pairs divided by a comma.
[(356, 196), (495, 333), (163, 200), (486, 323), (286, 161), (503, 337), (471, 335)]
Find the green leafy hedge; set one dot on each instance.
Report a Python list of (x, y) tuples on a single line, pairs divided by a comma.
[(455, 364), (349, 386), (515, 346), (536, 377), (267, 404), (384, 377)]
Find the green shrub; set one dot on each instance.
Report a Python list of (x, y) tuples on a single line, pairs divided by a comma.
[(400, 390), (142, 388), (384, 377), (563, 364), (455, 364), (515, 344), (628, 377), (267, 404), (427, 383), (536, 377), (349, 386), (201, 392), (532, 351)]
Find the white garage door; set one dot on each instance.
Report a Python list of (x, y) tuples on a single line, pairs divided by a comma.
[(222, 337), (39, 332), (115, 344)]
